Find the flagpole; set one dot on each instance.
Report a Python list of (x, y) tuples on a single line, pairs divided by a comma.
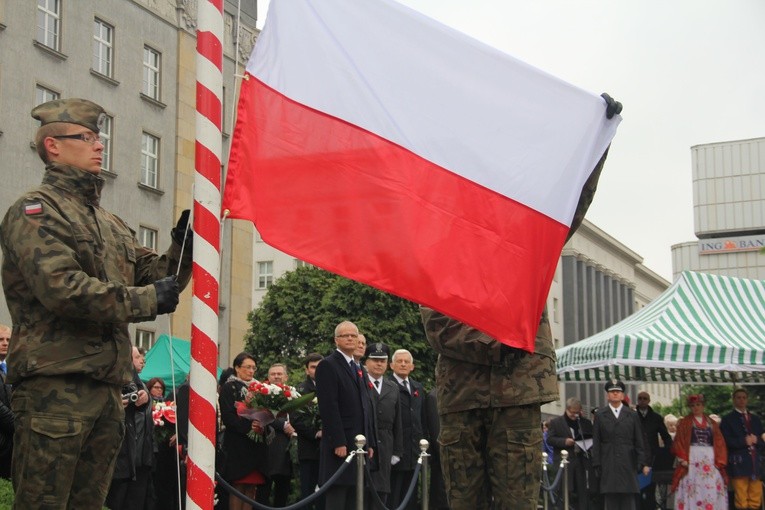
[(206, 271)]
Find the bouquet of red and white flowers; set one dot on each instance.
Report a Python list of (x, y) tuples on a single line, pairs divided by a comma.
[(163, 414), (264, 401)]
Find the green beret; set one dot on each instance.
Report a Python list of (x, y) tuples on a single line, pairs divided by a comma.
[(74, 111)]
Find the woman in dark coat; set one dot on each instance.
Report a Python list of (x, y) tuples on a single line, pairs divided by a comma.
[(617, 450), (245, 459)]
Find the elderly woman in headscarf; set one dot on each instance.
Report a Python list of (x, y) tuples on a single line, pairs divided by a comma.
[(699, 446), (671, 422)]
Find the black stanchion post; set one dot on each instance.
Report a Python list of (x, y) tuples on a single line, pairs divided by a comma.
[(564, 466), (544, 477), (424, 479), (360, 442)]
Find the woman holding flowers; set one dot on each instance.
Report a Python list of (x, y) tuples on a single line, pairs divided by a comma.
[(699, 478), (245, 459)]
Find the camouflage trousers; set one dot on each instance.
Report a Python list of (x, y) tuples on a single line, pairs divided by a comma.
[(492, 457), (68, 432)]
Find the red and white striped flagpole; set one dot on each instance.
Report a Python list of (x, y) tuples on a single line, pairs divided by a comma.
[(206, 273)]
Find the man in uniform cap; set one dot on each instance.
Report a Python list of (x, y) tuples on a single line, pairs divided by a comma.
[(387, 418), (74, 276), (618, 453)]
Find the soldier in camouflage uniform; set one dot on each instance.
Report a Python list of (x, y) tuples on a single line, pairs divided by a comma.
[(489, 398), (74, 276)]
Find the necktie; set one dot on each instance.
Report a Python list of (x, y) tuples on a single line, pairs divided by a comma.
[(406, 385), (377, 385), (3, 368), (354, 367)]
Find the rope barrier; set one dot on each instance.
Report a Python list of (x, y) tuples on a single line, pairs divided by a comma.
[(551, 487), (300, 504), (409, 492)]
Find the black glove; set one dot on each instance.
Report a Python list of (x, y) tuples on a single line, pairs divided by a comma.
[(180, 230), (613, 107), (167, 294)]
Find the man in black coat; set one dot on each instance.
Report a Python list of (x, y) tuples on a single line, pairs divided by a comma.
[(411, 398), (573, 433), (384, 395), (131, 485), (438, 499), (345, 411), (617, 450), (308, 427), (653, 428), (279, 474)]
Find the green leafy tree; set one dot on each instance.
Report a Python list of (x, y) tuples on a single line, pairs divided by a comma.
[(299, 313), (284, 328), (717, 400)]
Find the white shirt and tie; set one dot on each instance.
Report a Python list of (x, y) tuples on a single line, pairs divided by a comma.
[(404, 383), (377, 384), (616, 410)]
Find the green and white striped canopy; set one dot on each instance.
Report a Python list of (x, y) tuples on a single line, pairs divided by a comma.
[(704, 329)]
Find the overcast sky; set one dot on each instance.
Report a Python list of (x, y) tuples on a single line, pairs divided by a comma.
[(688, 72)]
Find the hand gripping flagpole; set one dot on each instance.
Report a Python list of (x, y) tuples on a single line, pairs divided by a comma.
[(206, 269)]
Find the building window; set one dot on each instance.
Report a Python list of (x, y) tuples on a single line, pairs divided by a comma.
[(144, 338), (149, 160), (43, 95), (265, 274), (556, 311), (106, 140), (103, 35), (151, 62), (49, 23), (147, 237), (300, 263)]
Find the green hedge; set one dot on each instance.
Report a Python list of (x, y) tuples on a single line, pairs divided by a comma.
[(6, 494)]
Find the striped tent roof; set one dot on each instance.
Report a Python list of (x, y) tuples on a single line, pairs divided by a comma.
[(703, 329)]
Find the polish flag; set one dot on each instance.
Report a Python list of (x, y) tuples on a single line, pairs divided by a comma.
[(381, 145)]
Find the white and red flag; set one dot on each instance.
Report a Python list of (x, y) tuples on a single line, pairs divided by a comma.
[(381, 145)]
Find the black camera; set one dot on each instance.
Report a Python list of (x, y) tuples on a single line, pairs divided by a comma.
[(130, 393)]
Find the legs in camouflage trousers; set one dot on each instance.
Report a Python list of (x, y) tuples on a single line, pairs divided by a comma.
[(68, 432), (492, 454)]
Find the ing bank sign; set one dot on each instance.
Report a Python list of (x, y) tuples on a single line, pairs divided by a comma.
[(731, 244)]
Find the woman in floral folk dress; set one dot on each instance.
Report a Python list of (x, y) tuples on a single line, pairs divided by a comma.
[(700, 478)]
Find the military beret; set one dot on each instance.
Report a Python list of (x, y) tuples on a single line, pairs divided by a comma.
[(73, 111), (615, 385), (377, 351)]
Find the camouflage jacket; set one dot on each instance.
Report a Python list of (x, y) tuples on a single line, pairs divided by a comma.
[(474, 371), (74, 275)]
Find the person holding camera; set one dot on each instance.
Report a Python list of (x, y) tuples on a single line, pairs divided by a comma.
[(132, 486)]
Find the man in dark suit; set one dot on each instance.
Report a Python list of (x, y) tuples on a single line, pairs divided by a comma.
[(411, 404), (617, 450), (384, 396), (658, 458), (345, 411), (743, 435), (308, 430), (573, 433), (276, 490), (438, 498)]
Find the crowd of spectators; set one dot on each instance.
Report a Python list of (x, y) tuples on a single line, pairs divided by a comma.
[(617, 457)]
